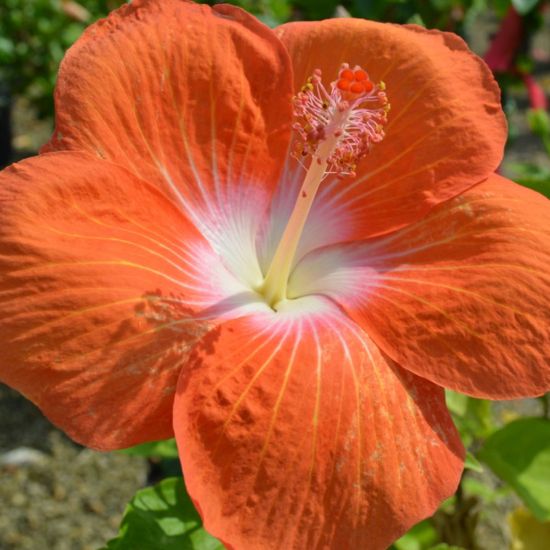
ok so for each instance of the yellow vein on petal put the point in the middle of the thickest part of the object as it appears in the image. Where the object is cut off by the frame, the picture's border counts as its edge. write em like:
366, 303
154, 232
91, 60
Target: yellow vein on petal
339, 414
237, 368
433, 244
145, 360
337, 443
417, 320
377, 170
484, 266
458, 205
161, 245
68, 340
249, 386
388, 69
81, 312
245, 160
83, 130
316, 408
161, 166
43, 294
165, 243
155, 330
176, 191
405, 108
109, 346
389, 163
214, 76
280, 397
459, 290
386, 411
205, 194
415, 443
97, 109
131, 244
359, 469
84, 311
387, 183
185, 140
235, 132
431, 305
117, 262
363, 340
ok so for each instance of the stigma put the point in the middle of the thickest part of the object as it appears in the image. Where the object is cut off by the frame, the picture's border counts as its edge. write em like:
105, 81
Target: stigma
350, 116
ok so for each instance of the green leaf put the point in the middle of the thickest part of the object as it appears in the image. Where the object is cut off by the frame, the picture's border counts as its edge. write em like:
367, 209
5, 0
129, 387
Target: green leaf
539, 121
532, 176
473, 417
472, 463
442, 5
519, 454
164, 517
421, 537
524, 6
161, 449
478, 488
416, 19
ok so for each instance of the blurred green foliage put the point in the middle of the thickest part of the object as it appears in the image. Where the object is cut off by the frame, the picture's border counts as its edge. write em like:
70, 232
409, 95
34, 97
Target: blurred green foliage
162, 517
34, 35
442, 14
519, 453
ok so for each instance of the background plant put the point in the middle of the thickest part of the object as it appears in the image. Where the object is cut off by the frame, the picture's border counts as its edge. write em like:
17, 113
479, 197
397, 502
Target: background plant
508, 445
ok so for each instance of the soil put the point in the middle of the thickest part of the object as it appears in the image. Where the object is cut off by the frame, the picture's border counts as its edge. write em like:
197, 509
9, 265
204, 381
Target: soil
54, 494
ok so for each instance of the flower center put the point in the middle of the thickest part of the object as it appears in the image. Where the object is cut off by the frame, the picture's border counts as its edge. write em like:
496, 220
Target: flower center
333, 130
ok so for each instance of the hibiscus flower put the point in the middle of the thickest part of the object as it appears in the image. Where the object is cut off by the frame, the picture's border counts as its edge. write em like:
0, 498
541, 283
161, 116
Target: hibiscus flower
231, 238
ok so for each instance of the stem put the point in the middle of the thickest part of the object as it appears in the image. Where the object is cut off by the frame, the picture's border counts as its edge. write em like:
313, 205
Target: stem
274, 287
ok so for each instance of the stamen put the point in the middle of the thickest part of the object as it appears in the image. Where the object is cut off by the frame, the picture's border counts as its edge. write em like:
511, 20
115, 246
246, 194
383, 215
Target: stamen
336, 129
354, 111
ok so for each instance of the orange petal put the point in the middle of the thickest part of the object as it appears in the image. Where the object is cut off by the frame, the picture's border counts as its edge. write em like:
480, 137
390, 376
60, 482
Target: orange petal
97, 297
446, 130
301, 434
462, 297
194, 99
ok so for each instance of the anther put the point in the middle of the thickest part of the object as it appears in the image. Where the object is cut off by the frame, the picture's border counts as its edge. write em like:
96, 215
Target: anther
357, 88
344, 84
346, 74
368, 85
348, 118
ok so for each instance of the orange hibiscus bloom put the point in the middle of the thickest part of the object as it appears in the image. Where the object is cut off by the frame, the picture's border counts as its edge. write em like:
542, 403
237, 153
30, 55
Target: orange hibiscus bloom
167, 266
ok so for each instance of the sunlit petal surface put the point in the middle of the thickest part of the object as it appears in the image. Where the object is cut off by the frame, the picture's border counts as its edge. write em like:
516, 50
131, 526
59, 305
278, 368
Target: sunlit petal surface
295, 431
192, 99
101, 296
460, 297
446, 129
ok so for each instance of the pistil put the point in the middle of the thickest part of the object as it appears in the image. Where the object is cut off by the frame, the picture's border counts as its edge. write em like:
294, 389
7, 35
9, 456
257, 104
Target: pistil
334, 130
